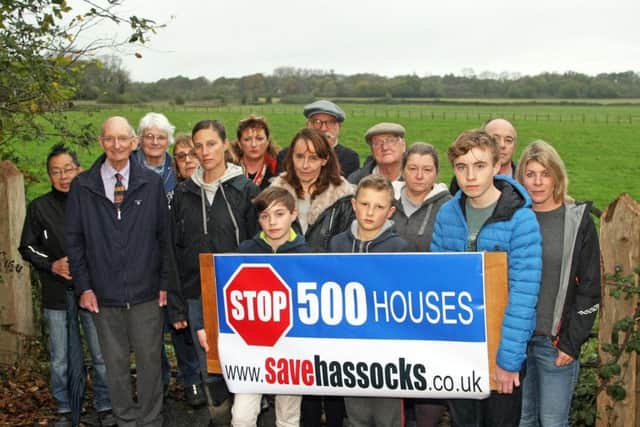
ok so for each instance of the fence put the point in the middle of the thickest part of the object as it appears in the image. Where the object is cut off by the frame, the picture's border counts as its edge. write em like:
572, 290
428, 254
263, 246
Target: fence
390, 112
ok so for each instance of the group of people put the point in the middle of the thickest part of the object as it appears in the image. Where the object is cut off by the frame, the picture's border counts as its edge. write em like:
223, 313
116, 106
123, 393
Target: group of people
122, 239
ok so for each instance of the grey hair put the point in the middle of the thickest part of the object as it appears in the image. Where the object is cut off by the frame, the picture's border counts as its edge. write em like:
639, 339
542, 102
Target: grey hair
422, 149
157, 120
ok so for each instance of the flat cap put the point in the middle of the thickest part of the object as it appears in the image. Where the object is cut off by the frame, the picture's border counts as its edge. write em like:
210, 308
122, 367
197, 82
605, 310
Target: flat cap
324, 106
382, 128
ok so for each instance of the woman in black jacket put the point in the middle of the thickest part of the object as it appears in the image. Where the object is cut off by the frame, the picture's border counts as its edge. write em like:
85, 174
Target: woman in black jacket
569, 290
323, 200
212, 212
323, 197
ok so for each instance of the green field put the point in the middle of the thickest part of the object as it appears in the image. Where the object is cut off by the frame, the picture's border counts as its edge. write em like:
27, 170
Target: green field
598, 143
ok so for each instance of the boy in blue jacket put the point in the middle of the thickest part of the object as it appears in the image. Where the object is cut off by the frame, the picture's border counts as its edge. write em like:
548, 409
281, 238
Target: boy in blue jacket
493, 213
372, 231
276, 209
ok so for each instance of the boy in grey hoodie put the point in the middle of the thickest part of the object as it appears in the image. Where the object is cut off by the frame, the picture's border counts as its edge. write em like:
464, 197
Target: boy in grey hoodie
372, 231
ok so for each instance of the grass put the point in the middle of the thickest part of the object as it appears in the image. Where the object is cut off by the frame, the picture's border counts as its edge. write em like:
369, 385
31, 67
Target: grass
600, 154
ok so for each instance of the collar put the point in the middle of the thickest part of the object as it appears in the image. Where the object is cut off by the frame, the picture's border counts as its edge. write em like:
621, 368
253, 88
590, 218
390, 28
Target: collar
108, 172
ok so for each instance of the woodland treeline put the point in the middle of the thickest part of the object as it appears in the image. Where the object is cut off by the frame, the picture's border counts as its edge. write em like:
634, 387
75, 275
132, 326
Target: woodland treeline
107, 81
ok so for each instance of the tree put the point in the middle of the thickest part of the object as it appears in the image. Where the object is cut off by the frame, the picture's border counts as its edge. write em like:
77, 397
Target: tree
41, 56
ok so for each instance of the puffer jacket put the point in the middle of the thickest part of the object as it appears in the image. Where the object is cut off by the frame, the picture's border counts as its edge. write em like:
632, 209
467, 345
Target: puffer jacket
578, 297
418, 227
512, 228
217, 227
330, 213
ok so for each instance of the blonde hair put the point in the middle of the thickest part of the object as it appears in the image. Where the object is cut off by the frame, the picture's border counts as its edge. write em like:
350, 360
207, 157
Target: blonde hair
544, 153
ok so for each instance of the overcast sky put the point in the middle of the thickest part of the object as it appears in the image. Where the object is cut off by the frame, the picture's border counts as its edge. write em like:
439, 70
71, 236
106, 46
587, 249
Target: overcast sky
232, 38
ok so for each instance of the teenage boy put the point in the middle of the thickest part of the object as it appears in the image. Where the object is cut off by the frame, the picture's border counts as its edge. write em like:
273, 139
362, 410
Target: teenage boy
276, 209
492, 213
372, 231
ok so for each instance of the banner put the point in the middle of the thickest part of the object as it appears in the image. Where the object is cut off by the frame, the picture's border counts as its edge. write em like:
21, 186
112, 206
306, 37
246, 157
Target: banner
396, 325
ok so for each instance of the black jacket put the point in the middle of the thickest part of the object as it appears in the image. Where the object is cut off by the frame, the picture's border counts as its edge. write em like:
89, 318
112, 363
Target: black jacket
257, 245
126, 261
188, 222
331, 221
365, 170
42, 243
387, 241
579, 291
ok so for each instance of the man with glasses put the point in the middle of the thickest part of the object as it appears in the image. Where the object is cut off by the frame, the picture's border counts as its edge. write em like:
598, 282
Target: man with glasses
327, 117
387, 148
121, 259
42, 244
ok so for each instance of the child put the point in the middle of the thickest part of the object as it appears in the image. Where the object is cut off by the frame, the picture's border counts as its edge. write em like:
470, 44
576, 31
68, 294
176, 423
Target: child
276, 212
372, 231
492, 213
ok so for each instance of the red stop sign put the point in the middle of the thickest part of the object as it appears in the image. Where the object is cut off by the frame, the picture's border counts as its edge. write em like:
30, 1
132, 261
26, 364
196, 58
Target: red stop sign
258, 304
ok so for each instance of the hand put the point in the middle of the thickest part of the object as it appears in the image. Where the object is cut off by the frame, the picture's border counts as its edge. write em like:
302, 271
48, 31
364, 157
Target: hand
506, 380
202, 338
563, 359
181, 324
89, 302
162, 299
61, 268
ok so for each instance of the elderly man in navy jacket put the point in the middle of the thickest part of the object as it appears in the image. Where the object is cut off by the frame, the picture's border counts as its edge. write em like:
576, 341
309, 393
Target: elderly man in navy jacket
121, 258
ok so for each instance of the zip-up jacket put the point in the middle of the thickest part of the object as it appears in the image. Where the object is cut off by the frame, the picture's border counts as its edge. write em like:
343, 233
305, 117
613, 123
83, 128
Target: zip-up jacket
42, 243
578, 297
512, 228
125, 261
387, 241
217, 227
418, 227
168, 175
257, 245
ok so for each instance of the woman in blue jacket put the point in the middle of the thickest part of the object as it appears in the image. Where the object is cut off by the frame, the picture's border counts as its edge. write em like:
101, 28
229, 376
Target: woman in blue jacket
569, 291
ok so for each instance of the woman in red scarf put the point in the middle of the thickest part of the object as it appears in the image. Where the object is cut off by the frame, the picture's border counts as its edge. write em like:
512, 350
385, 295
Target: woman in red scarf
255, 151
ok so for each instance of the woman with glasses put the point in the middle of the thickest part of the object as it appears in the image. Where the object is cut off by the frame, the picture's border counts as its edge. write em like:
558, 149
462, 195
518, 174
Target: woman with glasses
185, 160
255, 151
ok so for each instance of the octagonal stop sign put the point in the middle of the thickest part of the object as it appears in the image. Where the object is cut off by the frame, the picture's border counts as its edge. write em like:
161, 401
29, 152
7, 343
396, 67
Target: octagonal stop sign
258, 304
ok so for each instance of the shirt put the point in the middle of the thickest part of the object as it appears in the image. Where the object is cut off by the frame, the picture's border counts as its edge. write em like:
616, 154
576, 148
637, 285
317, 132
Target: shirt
108, 174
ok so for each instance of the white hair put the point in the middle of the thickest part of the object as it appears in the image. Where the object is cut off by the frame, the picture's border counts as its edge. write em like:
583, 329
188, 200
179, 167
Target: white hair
157, 120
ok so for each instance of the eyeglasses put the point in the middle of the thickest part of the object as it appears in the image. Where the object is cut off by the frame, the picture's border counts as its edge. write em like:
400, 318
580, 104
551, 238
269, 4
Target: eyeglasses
379, 142
317, 123
112, 139
60, 172
181, 157
152, 137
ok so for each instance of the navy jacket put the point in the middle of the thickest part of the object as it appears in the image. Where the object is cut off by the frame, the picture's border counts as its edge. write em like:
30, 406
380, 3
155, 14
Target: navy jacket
257, 245
127, 261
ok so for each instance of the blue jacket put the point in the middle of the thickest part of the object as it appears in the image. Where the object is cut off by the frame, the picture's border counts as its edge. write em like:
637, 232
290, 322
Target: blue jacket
127, 261
513, 229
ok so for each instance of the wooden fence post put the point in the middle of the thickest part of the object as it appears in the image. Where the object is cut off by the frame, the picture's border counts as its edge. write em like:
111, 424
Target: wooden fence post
620, 249
16, 314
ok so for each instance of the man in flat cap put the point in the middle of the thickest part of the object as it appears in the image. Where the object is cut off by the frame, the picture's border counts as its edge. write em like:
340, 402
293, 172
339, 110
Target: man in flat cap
327, 117
387, 148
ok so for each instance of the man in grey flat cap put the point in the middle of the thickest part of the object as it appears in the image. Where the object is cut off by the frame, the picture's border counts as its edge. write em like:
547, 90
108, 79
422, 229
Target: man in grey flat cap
387, 148
327, 117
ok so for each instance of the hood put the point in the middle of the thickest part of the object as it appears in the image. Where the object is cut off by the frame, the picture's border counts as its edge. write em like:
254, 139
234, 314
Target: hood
388, 225
210, 188
439, 190
513, 197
